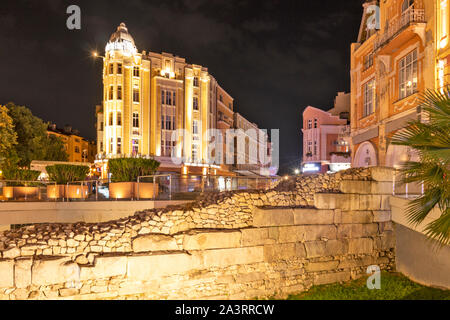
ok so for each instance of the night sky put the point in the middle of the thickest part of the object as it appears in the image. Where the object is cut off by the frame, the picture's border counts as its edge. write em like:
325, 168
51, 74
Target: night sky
274, 57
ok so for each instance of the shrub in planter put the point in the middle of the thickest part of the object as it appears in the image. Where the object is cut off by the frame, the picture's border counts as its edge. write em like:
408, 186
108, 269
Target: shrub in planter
124, 174
63, 174
22, 185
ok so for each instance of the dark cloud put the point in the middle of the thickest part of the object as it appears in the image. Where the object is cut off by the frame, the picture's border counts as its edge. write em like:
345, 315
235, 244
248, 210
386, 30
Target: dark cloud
274, 57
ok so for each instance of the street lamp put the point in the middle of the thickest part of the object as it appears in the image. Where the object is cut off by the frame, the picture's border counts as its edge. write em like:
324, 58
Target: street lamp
96, 55
297, 171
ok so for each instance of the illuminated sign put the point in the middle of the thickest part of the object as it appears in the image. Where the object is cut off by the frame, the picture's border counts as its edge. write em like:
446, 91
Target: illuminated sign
311, 167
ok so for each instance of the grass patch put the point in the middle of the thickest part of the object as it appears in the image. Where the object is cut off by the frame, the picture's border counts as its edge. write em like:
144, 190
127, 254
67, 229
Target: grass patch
394, 286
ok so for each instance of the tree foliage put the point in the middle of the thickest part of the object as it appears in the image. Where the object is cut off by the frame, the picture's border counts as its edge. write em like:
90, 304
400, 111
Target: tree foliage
64, 173
8, 137
431, 139
33, 142
129, 169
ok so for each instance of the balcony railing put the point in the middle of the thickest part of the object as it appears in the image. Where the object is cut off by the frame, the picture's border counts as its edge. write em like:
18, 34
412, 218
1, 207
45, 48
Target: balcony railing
411, 15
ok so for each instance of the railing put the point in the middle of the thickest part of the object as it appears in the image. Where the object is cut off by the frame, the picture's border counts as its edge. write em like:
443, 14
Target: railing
406, 190
411, 15
155, 187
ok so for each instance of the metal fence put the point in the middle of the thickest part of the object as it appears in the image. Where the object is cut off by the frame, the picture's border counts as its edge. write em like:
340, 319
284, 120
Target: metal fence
155, 187
406, 190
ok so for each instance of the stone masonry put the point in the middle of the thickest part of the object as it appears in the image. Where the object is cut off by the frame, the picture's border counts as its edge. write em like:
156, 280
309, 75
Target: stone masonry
239, 245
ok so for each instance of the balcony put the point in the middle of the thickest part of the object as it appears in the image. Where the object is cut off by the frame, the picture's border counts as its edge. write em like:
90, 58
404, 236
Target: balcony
396, 26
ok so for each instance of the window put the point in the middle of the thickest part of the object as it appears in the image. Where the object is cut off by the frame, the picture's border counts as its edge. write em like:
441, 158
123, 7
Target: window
111, 146
195, 81
195, 148
220, 98
101, 146
174, 99
111, 93
135, 146
368, 61
77, 149
230, 106
315, 148
119, 145
408, 75
168, 98
136, 72
111, 119
444, 13
315, 123
111, 68
135, 120
195, 127
101, 126
119, 68
119, 92
135, 95
369, 88
407, 4
310, 124
195, 103
309, 149
119, 118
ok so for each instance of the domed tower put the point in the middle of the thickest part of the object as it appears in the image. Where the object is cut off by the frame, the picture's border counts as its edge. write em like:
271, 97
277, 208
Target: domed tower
126, 99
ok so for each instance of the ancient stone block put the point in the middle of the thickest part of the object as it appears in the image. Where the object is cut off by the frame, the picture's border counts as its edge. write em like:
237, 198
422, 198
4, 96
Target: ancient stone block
6, 273
385, 241
305, 233
272, 217
313, 216
105, 267
356, 262
54, 271
370, 202
336, 201
22, 272
331, 277
353, 217
383, 174
360, 246
229, 257
382, 216
279, 251
365, 187
258, 236
326, 248
212, 240
154, 242
321, 266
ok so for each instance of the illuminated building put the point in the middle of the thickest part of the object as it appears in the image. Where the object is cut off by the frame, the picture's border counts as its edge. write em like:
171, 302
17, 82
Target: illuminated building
77, 148
326, 137
390, 67
148, 97
442, 44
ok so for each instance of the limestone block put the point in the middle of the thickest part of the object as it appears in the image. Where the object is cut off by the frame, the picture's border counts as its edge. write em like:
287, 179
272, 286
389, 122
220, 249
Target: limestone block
54, 271
22, 272
382, 174
326, 248
365, 187
326, 278
347, 231
356, 262
321, 266
279, 252
382, 216
272, 217
6, 273
212, 240
105, 267
313, 216
353, 217
341, 201
370, 202
147, 267
258, 236
229, 257
305, 233
360, 246
154, 242
386, 241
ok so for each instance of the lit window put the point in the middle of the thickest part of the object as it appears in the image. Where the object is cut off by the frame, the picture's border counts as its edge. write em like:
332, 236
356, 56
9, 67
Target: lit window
408, 75
135, 120
119, 68
444, 17
195, 148
136, 72
119, 145
111, 146
111, 93
195, 81
119, 118
369, 89
135, 95
368, 61
135, 146
111, 119
119, 92
195, 127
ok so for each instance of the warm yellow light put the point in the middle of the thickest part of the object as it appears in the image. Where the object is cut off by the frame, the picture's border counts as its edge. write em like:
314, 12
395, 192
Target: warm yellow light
409, 84
95, 54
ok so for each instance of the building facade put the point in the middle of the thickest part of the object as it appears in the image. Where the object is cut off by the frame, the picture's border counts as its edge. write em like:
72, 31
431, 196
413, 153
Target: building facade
442, 44
325, 138
158, 105
77, 148
391, 65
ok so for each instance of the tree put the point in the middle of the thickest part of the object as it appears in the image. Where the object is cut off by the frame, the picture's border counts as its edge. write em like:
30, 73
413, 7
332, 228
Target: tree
8, 137
33, 143
432, 142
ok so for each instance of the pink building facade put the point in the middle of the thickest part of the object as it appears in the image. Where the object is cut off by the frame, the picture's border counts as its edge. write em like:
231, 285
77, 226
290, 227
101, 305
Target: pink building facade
325, 142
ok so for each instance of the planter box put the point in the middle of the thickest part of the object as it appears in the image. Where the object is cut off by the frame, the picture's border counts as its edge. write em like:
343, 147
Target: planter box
130, 190
67, 191
21, 192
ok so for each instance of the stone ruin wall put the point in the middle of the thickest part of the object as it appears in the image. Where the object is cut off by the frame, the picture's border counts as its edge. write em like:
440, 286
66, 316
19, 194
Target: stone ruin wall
241, 245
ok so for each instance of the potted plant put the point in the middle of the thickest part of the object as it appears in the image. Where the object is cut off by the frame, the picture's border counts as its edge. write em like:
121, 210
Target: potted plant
124, 175
21, 185
63, 175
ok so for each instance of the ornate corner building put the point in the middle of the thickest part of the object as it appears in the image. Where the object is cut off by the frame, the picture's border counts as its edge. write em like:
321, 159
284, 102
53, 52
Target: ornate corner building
147, 97
402, 50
